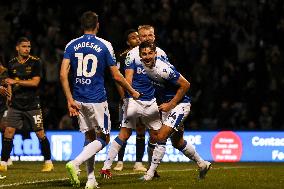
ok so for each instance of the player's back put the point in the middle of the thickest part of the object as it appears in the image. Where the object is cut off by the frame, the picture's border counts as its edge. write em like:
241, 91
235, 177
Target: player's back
89, 56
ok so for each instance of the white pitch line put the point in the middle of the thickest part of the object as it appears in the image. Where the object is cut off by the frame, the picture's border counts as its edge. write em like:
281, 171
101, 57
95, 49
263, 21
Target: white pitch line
119, 174
33, 182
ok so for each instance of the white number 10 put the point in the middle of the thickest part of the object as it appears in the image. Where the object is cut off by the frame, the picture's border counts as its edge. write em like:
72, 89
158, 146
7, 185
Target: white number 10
83, 64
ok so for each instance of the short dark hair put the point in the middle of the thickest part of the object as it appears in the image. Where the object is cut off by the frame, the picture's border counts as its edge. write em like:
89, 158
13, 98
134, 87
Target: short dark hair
128, 32
147, 44
89, 20
22, 39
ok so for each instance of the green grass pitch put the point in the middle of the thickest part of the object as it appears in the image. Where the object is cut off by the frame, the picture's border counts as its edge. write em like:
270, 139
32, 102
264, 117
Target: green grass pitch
173, 176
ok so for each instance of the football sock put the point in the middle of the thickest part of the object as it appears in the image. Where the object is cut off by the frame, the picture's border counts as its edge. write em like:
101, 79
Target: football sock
189, 151
6, 149
90, 167
45, 148
90, 150
90, 163
150, 149
112, 153
140, 147
158, 154
121, 152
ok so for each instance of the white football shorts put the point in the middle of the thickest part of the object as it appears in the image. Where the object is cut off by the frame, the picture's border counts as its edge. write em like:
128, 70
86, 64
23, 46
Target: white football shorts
146, 111
175, 117
94, 116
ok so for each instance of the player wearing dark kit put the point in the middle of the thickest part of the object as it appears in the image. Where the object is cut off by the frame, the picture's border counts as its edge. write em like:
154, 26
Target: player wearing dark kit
24, 72
3, 94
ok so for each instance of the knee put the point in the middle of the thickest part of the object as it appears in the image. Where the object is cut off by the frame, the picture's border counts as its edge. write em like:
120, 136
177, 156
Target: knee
40, 134
104, 139
90, 136
178, 144
161, 137
9, 133
124, 135
140, 130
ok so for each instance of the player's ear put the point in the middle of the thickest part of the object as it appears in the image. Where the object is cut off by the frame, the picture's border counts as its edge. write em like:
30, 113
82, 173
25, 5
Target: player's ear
98, 26
17, 48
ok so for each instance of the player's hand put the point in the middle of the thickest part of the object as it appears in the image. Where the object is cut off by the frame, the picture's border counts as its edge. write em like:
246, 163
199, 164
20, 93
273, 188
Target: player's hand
4, 92
10, 81
73, 108
165, 107
136, 95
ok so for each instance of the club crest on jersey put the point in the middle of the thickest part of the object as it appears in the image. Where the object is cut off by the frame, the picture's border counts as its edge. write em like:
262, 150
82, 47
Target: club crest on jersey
28, 69
127, 61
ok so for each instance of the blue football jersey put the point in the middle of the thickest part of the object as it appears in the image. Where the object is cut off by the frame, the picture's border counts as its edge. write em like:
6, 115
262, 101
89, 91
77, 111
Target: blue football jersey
141, 81
164, 77
89, 56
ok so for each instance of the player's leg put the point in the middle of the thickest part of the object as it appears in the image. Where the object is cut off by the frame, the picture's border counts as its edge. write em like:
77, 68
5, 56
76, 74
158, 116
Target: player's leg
140, 147
119, 165
14, 121
175, 120
92, 116
151, 120
7, 146
189, 151
130, 108
90, 163
158, 152
3, 125
114, 148
34, 117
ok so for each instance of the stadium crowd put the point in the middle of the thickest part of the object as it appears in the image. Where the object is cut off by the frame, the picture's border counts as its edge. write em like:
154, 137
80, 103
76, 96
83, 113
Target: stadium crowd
231, 51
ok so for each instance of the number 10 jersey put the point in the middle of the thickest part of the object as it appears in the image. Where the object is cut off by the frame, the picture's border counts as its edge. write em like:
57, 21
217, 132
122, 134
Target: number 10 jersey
89, 56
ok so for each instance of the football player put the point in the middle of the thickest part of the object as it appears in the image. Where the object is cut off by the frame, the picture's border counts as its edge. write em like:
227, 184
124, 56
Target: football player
171, 88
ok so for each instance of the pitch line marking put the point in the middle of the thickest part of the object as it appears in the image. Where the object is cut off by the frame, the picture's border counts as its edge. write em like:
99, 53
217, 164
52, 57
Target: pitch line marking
119, 174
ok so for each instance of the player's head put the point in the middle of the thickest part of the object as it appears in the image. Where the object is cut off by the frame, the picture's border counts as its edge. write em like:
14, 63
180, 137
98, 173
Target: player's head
89, 21
23, 47
146, 33
132, 38
147, 53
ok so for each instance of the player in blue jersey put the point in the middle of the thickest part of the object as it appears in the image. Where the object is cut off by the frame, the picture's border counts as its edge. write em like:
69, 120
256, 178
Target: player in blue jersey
145, 109
171, 88
132, 40
87, 57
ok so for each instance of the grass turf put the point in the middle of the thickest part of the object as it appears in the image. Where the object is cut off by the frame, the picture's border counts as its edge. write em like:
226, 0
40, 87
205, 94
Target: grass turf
27, 175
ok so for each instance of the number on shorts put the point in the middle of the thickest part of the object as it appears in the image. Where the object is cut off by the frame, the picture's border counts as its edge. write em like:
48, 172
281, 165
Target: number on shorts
82, 69
173, 115
37, 119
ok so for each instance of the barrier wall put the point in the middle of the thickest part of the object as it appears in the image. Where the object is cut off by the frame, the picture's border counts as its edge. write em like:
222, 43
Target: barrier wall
226, 146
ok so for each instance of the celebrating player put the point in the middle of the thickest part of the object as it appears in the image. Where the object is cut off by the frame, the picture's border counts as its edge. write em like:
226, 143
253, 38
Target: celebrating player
145, 109
88, 56
132, 40
171, 88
